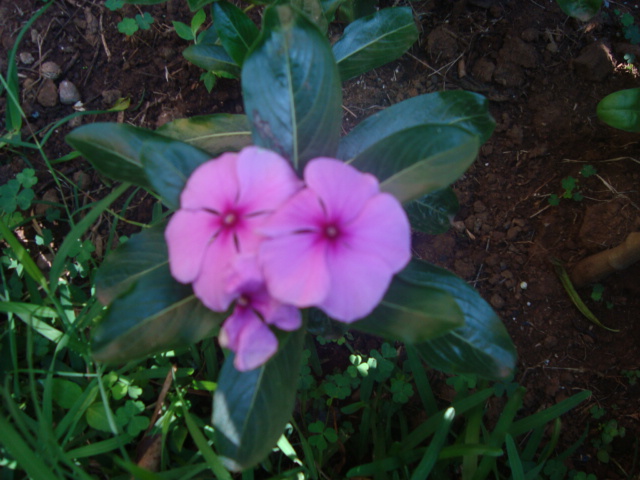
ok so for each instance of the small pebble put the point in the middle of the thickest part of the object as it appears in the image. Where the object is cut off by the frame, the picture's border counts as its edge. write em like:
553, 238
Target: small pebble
68, 93
50, 70
26, 58
497, 301
48, 94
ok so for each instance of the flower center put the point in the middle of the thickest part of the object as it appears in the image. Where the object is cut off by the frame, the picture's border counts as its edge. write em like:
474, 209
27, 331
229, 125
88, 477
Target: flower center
331, 231
242, 301
229, 219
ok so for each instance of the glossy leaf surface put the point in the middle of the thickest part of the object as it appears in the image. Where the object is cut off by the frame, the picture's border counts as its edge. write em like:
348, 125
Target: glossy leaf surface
212, 58
235, 29
215, 134
292, 89
143, 254
413, 313
419, 160
466, 110
482, 346
621, 110
251, 409
433, 213
114, 149
581, 9
168, 164
155, 315
375, 40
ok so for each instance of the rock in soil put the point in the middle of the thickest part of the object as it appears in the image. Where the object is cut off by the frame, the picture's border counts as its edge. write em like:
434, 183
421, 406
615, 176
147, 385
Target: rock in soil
68, 92
48, 94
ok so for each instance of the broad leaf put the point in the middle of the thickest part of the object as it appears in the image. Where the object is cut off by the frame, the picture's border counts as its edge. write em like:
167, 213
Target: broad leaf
114, 149
156, 314
251, 409
313, 9
143, 254
581, 9
168, 164
212, 58
413, 313
375, 40
466, 110
482, 346
432, 213
195, 5
235, 29
215, 134
621, 110
291, 88
419, 160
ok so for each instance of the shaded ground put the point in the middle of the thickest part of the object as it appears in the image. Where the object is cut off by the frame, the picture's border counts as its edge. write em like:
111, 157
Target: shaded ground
544, 74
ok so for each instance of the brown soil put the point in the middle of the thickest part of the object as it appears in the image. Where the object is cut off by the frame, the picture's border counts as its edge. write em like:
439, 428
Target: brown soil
544, 75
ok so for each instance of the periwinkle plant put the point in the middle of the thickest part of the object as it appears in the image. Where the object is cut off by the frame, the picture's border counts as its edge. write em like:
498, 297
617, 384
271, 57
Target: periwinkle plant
303, 227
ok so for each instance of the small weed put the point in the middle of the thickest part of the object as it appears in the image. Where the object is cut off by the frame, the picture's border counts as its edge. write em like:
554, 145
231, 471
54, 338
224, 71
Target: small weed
570, 187
610, 431
632, 376
629, 27
190, 33
17, 195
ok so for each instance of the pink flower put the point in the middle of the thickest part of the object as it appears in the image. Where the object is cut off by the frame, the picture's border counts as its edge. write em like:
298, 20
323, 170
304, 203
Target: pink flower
224, 203
246, 332
335, 244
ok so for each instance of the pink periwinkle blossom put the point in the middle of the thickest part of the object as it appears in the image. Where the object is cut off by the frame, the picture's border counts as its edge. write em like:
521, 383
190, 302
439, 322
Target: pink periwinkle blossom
246, 332
335, 244
224, 203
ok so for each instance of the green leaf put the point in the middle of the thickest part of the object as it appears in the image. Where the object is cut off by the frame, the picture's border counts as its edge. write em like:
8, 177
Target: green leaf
97, 417
144, 21
291, 88
156, 315
144, 2
143, 254
467, 110
128, 26
65, 393
412, 313
313, 9
433, 213
419, 160
581, 9
482, 346
183, 30
212, 58
621, 110
197, 20
251, 409
215, 134
375, 40
236, 30
168, 164
198, 4
114, 149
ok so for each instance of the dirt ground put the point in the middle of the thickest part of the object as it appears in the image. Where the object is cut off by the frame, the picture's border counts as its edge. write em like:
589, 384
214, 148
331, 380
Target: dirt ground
543, 74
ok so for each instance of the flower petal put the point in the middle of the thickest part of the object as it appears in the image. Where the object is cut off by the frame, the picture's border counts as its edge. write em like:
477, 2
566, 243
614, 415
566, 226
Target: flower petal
256, 345
213, 185
343, 189
266, 180
295, 268
285, 317
303, 211
188, 235
211, 285
358, 283
382, 229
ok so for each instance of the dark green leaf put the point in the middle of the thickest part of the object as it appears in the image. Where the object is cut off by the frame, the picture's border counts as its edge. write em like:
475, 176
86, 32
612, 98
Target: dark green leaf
114, 149
580, 9
313, 9
419, 160
432, 213
143, 254
215, 134
375, 40
455, 107
291, 88
168, 164
198, 4
251, 409
183, 30
482, 346
621, 110
144, 2
412, 313
354, 9
156, 315
235, 29
212, 58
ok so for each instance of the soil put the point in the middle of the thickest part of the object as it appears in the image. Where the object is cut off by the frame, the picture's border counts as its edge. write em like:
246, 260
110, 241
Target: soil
543, 73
